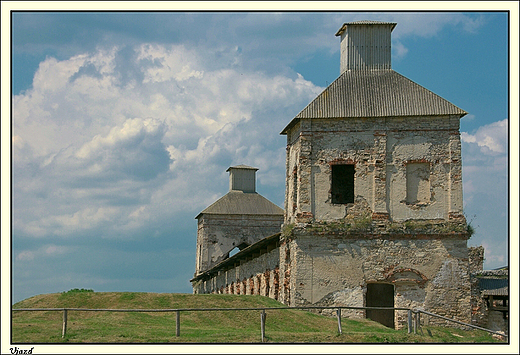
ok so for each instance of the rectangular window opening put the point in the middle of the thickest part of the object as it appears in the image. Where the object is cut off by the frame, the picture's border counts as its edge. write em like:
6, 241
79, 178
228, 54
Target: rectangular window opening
342, 188
418, 183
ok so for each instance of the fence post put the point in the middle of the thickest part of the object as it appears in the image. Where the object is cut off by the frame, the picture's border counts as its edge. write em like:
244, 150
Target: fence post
262, 324
338, 313
178, 323
415, 322
64, 328
409, 321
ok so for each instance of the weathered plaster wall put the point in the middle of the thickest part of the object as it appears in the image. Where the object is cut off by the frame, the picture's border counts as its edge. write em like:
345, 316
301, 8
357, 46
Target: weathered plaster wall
478, 306
319, 269
257, 276
219, 234
380, 149
334, 270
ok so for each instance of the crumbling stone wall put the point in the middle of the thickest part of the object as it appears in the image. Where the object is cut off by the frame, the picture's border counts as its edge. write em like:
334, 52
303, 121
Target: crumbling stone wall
478, 306
259, 275
333, 268
405, 225
381, 149
219, 234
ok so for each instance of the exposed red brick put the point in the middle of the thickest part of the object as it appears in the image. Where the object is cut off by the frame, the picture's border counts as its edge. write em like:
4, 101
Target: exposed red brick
276, 283
287, 286
380, 216
259, 284
267, 281
341, 161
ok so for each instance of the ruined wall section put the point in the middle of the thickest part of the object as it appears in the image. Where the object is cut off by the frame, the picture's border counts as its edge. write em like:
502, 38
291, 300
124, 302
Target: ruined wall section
259, 275
219, 234
434, 142
298, 172
481, 312
335, 268
383, 151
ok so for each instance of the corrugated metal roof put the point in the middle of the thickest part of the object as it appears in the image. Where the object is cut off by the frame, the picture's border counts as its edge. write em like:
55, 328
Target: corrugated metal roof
364, 22
240, 203
242, 166
493, 287
375, 93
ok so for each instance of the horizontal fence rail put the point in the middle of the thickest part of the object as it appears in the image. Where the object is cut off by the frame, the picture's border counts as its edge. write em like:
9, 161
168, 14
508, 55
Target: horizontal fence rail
461, 323
413, 315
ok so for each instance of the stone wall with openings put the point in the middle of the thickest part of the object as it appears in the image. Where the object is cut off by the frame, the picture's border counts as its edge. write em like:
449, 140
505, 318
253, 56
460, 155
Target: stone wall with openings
217, 235
256, 274
333, 267
405, 168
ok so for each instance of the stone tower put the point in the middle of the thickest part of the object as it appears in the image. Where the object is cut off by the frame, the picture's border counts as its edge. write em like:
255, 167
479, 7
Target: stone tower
373, 203
235, 221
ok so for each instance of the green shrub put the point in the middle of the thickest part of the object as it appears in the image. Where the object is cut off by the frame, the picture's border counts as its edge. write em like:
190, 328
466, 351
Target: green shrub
77, 290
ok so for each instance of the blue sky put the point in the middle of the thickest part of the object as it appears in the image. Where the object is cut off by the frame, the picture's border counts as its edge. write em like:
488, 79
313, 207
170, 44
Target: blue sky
123, 126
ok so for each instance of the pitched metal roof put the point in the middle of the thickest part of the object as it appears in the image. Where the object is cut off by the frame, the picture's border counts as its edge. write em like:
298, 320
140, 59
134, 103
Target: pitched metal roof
243, 203
242, 166
494, 287
375, 93
364, 22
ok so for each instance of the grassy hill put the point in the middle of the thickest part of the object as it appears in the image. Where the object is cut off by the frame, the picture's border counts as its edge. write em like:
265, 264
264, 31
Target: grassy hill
282, 326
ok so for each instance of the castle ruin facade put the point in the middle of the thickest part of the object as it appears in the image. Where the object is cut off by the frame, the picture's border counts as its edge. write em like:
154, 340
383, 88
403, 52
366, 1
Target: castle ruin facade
373, 201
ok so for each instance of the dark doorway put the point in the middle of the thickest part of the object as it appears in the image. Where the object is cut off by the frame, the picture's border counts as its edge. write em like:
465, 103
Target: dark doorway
381, 295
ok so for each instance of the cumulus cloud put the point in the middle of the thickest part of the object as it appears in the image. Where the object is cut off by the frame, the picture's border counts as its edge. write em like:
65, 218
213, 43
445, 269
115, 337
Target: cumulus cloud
485, 179
491, 139
113, 155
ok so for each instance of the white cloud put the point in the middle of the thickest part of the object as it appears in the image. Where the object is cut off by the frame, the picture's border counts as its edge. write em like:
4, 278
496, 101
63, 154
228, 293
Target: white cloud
112, 156
46, 251
86, 218
53, 75
492, 138
131, 129
174, 63
485, 175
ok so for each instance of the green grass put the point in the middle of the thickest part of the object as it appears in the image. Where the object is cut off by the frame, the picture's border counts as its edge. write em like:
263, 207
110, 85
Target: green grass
282, 326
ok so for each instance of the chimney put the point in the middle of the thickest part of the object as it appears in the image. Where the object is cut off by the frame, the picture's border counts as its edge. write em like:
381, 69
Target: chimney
242, 178
365, 45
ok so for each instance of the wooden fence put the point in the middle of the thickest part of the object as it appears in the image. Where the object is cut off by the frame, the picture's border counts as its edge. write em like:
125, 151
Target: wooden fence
413, 323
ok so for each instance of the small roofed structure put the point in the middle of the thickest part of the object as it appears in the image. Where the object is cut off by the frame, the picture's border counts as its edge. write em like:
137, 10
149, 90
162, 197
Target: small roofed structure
490, 298
236, 220
242, 198
494, 289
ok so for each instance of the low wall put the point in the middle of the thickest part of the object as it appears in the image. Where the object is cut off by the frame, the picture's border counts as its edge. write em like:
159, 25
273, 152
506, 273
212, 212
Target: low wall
253, 271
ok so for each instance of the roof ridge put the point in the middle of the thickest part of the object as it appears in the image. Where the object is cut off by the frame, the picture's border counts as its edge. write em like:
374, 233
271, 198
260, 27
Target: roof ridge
375, 93
237, 202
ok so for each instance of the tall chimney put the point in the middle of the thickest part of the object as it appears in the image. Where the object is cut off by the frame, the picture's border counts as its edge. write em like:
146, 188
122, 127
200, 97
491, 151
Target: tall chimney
242, 178
365, 45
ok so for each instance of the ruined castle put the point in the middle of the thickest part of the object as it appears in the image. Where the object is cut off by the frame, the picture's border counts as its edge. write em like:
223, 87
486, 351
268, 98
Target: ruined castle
373, 200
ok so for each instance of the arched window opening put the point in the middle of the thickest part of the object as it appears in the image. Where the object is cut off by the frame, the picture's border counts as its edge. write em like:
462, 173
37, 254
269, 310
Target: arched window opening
236, 249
